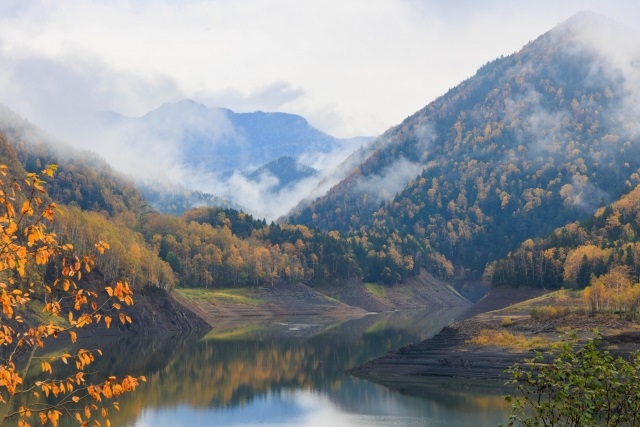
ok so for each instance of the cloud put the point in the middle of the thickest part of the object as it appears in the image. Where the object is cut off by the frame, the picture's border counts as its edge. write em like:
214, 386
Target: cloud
391, 180
546, 126
348, 76
614, 52
583, 194
273, 97
62, 94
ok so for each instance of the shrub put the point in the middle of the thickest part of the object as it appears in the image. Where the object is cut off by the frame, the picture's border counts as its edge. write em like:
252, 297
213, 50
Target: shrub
586, 387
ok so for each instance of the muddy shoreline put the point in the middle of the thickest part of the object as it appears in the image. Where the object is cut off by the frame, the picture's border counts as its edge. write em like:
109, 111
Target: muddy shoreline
451, 353
337, 300
446, 355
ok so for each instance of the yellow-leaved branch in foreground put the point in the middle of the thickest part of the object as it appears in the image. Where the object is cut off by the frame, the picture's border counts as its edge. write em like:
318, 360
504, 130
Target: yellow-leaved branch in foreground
55, 308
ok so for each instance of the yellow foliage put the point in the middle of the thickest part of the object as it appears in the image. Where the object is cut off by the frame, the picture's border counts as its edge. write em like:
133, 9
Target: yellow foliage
613, 292
505, 339
25, 242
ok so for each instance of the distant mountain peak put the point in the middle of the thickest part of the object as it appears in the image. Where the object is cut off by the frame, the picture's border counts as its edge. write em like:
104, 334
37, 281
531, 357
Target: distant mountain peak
185, 106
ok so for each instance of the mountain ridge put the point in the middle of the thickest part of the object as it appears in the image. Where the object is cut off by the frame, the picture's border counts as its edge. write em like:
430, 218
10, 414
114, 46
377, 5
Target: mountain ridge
530, 142
268, 135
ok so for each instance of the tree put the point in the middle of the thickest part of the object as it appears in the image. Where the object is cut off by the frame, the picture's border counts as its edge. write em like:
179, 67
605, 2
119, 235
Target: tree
29, 253
579, 388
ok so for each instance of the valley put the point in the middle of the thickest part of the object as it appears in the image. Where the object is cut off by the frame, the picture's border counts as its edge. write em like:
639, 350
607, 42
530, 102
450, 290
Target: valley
501, 219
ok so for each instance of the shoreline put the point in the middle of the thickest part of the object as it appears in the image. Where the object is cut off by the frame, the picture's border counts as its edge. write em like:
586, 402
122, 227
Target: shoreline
297, 299
453, 355
446, 355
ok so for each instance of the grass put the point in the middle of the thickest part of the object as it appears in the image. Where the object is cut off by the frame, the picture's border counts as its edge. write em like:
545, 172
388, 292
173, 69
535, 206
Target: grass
375, 290
233, 333
36, 309
547, 312
508, 340
211, 296
563, 299
506, 321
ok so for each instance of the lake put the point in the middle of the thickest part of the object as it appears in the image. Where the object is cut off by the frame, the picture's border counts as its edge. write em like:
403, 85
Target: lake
290, 372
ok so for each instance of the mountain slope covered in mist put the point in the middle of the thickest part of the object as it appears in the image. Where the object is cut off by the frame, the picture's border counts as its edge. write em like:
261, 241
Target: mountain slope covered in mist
215, 151
203, 247
532, 141
220, 140
286, 171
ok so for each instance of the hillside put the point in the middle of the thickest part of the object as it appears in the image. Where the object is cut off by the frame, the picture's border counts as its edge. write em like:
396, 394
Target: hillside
601, 246
534, 140
204, 247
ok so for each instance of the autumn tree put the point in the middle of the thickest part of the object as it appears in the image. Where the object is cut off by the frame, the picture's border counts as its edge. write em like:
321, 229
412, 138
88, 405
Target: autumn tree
35, 310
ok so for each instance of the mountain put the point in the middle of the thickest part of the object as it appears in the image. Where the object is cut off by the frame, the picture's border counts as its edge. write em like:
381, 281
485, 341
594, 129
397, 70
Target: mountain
203, 247
604, 243
212, 150
177, 199
532, 141
286, 171
83, 178
219, 140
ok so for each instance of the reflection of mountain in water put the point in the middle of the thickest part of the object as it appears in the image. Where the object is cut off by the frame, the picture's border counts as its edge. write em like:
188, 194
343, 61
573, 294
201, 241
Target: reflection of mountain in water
234, 364
246, 364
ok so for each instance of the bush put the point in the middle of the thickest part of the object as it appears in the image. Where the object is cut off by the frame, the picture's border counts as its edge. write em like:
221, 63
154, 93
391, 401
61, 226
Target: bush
506, 321
587, 387
549, 312
505, 339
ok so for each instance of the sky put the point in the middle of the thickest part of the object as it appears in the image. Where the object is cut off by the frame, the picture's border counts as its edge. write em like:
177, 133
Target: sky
351, 67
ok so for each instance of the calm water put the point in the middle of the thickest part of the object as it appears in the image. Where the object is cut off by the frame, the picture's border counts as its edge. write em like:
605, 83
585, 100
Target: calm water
289, 372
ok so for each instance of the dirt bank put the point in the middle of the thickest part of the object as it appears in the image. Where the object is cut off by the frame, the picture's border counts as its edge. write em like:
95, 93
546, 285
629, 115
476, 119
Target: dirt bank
422, 291
453, 353
283, 299
338, 300
445, 355
155, 310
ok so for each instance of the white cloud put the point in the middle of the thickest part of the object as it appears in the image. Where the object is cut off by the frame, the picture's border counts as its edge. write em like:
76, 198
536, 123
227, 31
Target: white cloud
391, 180
355, 67
352, 67
272, 97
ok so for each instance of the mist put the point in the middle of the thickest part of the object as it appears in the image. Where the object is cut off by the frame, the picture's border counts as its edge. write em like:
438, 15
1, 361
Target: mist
60, 77
390, 181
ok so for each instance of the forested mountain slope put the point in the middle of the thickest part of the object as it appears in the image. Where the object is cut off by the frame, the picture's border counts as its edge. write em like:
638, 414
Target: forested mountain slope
571, 255
534, 140
204, 247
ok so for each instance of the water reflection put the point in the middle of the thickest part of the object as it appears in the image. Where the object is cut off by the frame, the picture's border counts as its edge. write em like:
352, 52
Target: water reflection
288, 372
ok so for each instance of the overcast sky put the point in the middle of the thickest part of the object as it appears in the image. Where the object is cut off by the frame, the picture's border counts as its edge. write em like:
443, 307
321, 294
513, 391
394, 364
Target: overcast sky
351, 67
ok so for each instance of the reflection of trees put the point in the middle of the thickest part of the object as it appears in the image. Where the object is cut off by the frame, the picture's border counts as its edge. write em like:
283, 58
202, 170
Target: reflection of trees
227, 372
222, 372
123, 354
